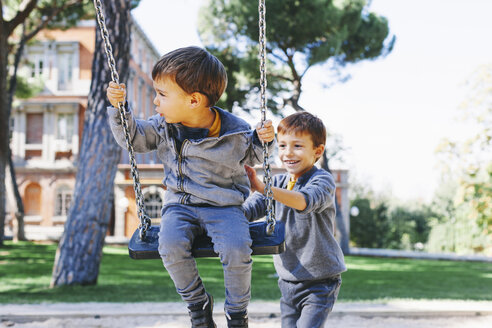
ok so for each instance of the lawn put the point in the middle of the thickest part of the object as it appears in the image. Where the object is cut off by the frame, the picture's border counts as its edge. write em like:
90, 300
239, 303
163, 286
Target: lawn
25, 273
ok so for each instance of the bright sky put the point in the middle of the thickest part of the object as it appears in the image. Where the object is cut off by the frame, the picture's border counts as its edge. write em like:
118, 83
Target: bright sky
394, 111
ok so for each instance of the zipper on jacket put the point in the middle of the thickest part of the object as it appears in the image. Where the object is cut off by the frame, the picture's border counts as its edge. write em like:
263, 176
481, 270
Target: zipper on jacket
180, 171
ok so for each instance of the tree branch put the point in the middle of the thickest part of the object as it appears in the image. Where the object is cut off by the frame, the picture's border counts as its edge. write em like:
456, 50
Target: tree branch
281, 77
45, 21
277, 56
303, 73
20, 16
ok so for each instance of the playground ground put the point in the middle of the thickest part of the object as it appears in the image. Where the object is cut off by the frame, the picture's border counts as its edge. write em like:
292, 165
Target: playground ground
391, 314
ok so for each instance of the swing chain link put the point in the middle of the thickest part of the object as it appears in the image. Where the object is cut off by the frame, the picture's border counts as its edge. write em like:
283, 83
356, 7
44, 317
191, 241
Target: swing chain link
267, 179
145, 221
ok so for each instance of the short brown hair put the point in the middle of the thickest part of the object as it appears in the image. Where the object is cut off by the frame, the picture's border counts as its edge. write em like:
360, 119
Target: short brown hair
304, 122
195, 70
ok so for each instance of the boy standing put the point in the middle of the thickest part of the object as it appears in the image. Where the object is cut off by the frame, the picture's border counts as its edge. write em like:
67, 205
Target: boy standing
203, 149
310, 268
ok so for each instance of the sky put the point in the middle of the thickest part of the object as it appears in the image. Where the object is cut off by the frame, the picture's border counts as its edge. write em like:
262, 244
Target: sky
393, 112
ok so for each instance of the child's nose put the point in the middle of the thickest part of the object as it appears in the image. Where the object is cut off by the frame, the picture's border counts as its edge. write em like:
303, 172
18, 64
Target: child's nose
156, 102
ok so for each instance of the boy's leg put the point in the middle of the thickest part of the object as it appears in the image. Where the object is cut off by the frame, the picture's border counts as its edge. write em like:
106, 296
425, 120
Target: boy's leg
320, 296
178, 228
288, 310
229, 230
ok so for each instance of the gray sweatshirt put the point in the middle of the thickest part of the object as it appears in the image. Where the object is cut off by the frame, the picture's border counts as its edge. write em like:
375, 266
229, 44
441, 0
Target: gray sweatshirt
312, 252
206, 171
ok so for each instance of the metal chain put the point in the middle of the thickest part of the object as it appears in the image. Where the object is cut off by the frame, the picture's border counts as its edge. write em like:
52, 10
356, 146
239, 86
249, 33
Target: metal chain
270, 213
145, 221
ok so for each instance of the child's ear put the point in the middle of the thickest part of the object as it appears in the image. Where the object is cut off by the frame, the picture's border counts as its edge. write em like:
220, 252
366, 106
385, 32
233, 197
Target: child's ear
318, 151
198, 99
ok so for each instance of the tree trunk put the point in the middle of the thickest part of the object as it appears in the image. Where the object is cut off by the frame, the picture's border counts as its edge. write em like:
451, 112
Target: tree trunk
19, 234
80, 249
19, 215
4, 126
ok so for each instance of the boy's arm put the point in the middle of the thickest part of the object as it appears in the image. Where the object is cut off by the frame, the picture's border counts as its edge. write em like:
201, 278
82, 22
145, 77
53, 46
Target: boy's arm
319, 192
144, 135
289, 198
254, 207
315, 196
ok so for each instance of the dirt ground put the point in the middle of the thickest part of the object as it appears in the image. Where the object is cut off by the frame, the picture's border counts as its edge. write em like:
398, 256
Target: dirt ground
394, 314
335, 321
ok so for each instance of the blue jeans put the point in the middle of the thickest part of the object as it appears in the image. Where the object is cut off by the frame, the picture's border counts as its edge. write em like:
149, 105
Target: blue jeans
229, 230
306, 304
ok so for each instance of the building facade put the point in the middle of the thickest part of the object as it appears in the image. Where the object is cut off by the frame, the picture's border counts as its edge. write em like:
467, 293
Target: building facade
46, 130
47, 133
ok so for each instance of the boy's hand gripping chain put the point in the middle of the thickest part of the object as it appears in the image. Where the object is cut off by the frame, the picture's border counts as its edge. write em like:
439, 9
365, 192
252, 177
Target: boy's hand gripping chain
142, 215
270, 215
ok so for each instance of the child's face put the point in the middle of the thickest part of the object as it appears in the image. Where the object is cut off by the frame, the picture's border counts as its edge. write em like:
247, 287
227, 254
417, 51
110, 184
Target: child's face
298, 153
171, 101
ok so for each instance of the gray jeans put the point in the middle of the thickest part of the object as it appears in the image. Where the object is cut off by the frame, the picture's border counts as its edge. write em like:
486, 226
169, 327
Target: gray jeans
306, 304
229, 230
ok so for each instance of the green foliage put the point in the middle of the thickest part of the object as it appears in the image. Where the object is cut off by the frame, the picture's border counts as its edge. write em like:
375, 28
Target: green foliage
26, 89
370, 228
408, 227
77, 10
468, 164
379, 225
26, 272
300, 35
477, 198
466, 229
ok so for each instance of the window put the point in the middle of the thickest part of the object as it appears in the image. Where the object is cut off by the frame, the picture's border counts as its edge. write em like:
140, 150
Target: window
32, 199
34, 129
65, 71
63, 201
153, 204
64, 127
36, 65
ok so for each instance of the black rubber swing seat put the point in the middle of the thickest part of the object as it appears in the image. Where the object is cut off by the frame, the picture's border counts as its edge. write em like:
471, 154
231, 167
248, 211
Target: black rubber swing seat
263, 244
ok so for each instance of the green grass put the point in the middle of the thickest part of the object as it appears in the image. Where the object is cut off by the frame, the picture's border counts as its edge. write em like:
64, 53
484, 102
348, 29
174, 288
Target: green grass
25, 273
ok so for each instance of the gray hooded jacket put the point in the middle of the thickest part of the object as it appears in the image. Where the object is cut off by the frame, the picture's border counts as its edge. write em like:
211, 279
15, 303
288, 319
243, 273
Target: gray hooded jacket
312, 252
207, 171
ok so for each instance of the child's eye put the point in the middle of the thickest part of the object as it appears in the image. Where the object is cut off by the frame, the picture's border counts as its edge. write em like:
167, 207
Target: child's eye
281, 146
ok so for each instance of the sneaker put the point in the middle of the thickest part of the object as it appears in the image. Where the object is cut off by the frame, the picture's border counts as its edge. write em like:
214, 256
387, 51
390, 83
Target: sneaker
237, 320
201, 313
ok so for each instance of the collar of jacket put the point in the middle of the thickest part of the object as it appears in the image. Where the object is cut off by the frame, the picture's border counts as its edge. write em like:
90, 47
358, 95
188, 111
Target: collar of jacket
229, 123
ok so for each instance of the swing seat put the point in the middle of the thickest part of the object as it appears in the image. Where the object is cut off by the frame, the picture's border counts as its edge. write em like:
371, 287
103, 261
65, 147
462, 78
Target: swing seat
263, 243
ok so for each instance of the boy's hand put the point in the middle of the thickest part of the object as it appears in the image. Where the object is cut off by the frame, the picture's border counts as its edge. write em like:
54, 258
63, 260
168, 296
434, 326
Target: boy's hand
116, 93
265, 133
256, 184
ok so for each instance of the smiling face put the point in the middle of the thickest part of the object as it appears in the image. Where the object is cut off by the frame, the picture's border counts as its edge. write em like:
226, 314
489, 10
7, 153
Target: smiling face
297, 153
171, 101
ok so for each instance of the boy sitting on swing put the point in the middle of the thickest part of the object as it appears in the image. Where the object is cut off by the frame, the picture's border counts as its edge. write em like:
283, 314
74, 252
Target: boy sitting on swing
203, 149
309, 269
